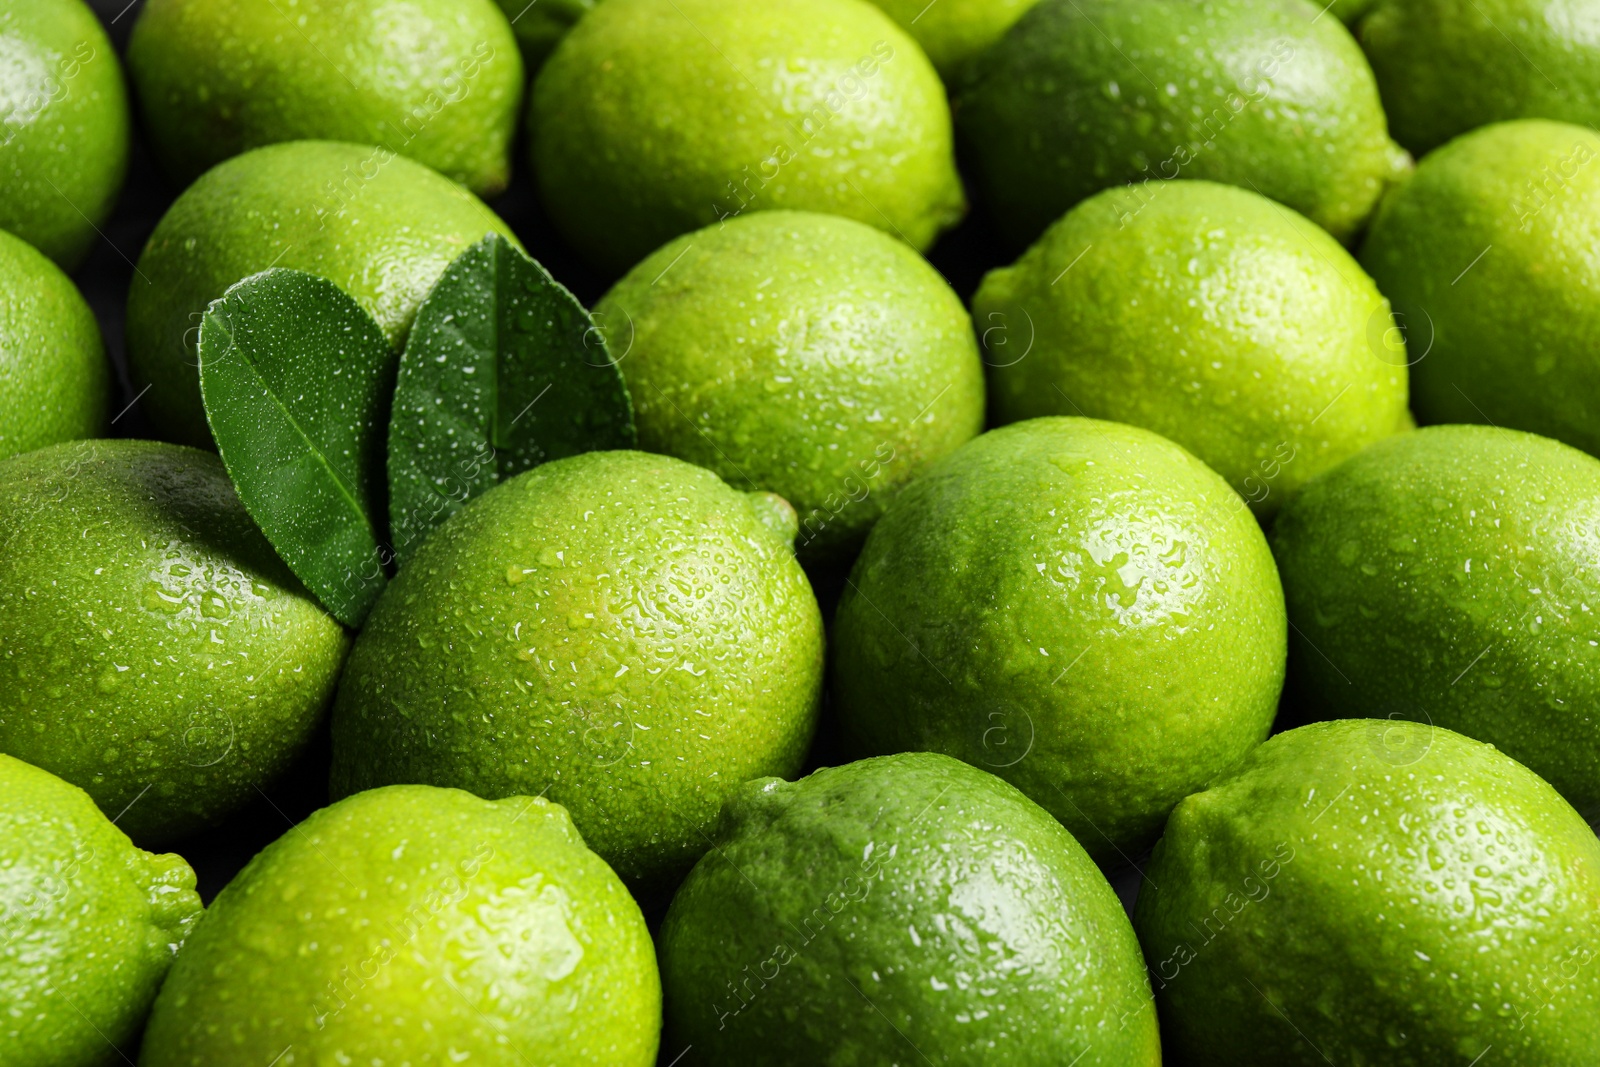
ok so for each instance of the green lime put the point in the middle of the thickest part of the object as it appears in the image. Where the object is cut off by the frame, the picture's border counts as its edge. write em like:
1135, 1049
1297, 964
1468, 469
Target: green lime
540, 26
55, 384
1082, 95
153, 649
620, 632
437, 81
1447, 576
1375, 892
955, 32
1488, 255
414, 925
1207, 314
657, 117
809, 355
1445, 68
64, 126
88, 924
898, 909
378, 225
1081, 607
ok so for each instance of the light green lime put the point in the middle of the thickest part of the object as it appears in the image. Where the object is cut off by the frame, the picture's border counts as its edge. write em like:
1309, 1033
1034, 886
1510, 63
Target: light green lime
620, 632
1372, 892
88, 924
438, 81
1447, 576
809, 355
416, 925
379, 226
64, 126
154, 651
1207, 314
1081, 607
1082, 95
55, 384
654, 118
900, 904
1446, 67
955, 32
1488, 255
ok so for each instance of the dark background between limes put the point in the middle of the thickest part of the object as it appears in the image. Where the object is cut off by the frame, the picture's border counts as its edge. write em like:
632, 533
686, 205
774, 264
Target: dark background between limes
962, 255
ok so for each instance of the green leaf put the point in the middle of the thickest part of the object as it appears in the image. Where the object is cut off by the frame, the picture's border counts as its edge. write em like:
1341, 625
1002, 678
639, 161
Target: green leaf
296, 380
504, 370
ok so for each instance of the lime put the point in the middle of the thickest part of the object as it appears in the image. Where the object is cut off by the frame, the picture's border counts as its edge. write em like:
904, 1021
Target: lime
1488, 255
620, 632
809, 355
1447, 576
153, 649
1445, 68
1371, 892
1082, 95
54, 381
379, 226
657, 117
900, 906
64, 126
955, 32
438, 81
1207, 314
88, 924
1081, 607
416, 925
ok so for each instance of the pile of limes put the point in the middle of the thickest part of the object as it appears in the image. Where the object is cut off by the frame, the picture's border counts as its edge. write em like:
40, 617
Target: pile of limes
1064, 649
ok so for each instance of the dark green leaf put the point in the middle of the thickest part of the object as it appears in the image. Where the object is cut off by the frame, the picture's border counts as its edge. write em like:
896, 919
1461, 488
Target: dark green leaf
296, 379
504, 370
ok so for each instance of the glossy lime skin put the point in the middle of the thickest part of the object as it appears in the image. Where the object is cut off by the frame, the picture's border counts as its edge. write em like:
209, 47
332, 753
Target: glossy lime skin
1367, 892
379, 226
64, 126
1081, 607
438, 81
898, 904
654, 118
1447, 66
1207, 314
1255, 93
809, 355
416, 925
540, 27
1488, 254
1447, 576
153, 649
88, 924
55, 384
955, 32
619, 632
